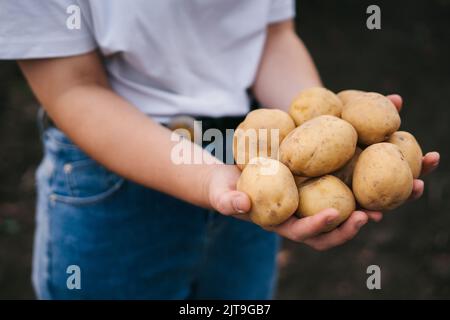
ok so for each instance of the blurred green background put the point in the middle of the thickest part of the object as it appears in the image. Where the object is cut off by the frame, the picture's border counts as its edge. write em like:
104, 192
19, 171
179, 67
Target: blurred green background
410, 55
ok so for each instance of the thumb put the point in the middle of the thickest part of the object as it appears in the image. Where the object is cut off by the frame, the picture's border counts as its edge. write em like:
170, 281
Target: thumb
232, 202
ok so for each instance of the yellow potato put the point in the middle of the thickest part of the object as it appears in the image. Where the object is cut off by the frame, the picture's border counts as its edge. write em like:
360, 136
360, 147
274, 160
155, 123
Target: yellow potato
373, 116
382, 179
271, 189
325, 192
346, 172
347, 95
410, 148
319, 146
313, 102
253, 136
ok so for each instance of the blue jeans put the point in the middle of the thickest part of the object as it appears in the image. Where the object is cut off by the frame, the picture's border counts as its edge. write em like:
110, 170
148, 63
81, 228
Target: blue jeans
131, 242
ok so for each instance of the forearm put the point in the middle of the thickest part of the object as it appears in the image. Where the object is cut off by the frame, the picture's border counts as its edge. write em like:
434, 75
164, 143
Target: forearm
285, 68
128, 142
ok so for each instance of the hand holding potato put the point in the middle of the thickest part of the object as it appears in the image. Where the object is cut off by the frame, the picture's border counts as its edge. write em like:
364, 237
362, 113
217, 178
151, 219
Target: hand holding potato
400, 151
221, 190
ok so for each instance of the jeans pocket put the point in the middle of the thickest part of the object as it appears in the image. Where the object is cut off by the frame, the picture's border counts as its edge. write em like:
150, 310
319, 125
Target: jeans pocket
86, 182
76, 178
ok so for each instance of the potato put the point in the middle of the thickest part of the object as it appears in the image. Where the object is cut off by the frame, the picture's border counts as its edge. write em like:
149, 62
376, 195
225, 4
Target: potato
373, 116
347, 95
346, 172
250, 141
272, 191
314, 102
411, 150
382, 179
328, 191
319, 146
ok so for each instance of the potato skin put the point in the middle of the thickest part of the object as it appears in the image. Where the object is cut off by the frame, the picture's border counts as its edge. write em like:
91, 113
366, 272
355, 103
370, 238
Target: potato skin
273, 195
410, 148
261, 119
313, 102
327, 191
346, 172
373, 116
319, 146
382, 179
347, 95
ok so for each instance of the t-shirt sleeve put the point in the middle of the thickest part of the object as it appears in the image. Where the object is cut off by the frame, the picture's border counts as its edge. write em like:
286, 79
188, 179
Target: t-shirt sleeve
281, 10
43, 29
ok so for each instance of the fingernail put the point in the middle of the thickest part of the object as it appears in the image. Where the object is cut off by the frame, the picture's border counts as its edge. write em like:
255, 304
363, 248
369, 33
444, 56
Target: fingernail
236, 206
437, 155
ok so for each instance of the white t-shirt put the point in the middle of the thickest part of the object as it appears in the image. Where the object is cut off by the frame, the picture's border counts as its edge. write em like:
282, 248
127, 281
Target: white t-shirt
167, 57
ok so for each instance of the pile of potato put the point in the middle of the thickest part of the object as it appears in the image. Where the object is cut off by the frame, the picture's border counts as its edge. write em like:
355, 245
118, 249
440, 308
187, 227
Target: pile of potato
333, 151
